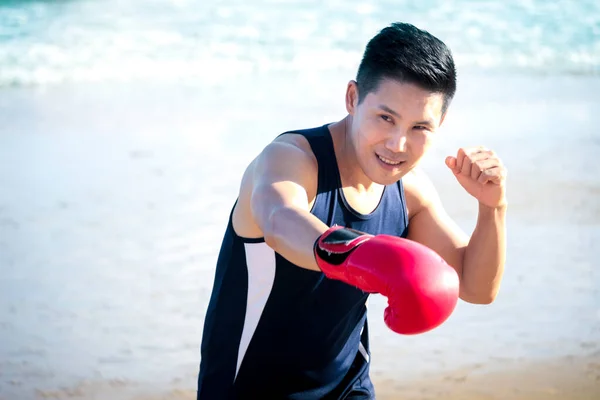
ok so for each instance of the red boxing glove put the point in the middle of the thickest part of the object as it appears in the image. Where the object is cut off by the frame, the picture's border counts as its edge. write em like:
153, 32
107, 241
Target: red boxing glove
422, 289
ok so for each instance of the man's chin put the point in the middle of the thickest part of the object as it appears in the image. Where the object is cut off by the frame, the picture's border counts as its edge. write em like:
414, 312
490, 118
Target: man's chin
388, 179
391, 181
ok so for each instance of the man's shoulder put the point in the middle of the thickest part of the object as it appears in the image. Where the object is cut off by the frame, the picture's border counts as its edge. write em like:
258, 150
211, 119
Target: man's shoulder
289, 156
293, 146
418, 190
293, 139
292, 150
300, 137
286, 160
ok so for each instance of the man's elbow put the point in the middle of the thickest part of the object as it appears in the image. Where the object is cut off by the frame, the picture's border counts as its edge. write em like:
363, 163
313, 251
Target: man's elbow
270, 228
483, 297
276, 224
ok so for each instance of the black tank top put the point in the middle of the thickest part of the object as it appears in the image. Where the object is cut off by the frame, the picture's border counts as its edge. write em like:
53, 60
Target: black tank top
275, 330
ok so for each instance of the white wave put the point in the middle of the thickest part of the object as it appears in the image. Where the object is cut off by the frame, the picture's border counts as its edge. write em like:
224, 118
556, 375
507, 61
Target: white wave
47, 43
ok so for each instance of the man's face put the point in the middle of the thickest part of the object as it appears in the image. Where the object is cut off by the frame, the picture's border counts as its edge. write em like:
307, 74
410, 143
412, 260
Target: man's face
392, 128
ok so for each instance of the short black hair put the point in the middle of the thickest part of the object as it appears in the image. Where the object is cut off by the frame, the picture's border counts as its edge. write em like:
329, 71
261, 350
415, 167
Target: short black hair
407, 54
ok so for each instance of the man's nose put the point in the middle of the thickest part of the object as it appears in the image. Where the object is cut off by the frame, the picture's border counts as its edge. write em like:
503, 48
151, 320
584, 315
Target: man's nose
397, 141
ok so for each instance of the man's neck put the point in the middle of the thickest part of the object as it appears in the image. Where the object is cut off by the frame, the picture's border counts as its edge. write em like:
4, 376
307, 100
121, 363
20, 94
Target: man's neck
351, 173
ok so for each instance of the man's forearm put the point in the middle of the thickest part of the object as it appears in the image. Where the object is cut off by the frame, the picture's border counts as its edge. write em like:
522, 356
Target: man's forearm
292, 232
484, 257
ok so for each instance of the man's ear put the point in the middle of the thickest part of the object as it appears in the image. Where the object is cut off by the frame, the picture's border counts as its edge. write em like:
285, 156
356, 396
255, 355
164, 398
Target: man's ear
351, 97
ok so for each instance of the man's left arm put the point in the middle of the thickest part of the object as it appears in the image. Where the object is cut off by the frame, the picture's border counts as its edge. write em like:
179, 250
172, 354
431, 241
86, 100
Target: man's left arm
480, 258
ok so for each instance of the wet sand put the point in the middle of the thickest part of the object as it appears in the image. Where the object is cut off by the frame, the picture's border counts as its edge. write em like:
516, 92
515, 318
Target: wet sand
568, 378
112, 209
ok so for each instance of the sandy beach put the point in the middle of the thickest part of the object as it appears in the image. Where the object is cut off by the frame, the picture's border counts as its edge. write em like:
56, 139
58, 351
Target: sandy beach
125, 250
567, 378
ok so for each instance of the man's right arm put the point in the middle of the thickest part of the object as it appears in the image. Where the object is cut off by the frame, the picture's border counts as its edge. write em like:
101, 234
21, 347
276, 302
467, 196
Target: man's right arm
282, 176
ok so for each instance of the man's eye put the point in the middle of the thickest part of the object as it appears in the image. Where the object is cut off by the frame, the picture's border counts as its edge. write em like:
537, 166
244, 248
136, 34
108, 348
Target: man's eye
386, 118
421, 128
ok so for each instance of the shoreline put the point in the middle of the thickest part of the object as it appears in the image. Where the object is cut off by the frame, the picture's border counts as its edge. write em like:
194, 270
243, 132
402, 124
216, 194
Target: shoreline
570, 377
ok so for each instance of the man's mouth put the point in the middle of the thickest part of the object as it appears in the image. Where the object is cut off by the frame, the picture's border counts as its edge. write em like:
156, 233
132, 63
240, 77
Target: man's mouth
389, 161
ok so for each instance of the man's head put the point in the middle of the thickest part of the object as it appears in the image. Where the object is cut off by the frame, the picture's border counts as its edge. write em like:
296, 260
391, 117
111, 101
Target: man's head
405, 83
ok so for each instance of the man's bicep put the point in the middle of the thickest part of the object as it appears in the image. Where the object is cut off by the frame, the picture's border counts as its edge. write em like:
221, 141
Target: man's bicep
281, 176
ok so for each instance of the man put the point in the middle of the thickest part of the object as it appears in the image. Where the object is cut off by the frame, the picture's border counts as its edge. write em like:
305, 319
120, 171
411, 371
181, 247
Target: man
281, 323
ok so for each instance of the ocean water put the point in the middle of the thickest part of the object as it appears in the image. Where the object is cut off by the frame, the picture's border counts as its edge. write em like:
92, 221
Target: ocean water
125, 127
213, 41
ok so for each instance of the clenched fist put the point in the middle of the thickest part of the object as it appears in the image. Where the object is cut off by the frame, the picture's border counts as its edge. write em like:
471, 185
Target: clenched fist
481, 173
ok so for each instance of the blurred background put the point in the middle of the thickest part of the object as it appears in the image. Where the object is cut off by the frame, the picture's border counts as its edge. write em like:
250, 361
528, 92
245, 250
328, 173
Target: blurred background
125, 127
